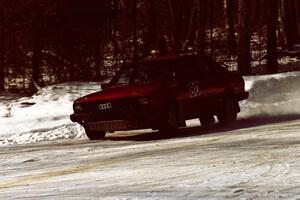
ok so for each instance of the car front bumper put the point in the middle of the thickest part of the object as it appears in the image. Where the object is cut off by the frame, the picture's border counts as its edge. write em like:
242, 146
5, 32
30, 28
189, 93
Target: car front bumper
114, 125
80, 118
136, 120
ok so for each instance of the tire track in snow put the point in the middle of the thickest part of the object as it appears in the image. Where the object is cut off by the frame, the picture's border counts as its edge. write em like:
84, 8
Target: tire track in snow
139, 153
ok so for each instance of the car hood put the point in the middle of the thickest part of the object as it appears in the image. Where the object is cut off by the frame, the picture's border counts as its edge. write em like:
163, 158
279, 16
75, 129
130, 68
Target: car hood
121, 91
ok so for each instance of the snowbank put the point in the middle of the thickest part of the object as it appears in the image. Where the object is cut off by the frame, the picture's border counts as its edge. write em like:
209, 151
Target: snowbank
272, 95
45, 116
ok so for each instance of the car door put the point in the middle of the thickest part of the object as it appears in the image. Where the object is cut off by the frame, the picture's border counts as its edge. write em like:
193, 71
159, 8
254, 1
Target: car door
211, 85
189, 90
205, 88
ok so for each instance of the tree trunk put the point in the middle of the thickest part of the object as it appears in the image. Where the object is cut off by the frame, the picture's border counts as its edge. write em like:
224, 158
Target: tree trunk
211, 28
272, 63
230, 27
177, 35
290, 23
2, 75
37, 45
151, 36
293, 21
134, 20
71, 52
298, 10
280, 26
244, 54
177, 24
202, 26
98, 57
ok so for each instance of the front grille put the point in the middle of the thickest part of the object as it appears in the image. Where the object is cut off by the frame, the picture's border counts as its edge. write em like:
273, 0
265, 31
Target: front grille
121, 109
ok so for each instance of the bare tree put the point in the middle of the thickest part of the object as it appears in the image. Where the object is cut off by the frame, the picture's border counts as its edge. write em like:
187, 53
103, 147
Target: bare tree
231, 40
135, 28
290, 22
202, 18
2, 75
244, 55
272, 62
37, 43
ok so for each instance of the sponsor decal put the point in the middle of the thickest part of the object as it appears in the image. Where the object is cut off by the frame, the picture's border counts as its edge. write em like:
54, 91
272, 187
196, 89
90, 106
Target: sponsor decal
194, 89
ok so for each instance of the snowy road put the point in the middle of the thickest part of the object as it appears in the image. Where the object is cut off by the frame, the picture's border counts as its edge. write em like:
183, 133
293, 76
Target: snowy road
260, 161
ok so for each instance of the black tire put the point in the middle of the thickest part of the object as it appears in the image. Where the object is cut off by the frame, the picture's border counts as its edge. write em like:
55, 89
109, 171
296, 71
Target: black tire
208, 120
228, 115
170, 122
95, 135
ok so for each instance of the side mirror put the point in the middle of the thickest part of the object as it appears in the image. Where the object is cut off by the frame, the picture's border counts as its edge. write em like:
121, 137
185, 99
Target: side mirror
105, 86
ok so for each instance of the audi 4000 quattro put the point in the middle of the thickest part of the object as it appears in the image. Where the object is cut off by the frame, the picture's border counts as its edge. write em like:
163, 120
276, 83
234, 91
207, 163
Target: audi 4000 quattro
161, 93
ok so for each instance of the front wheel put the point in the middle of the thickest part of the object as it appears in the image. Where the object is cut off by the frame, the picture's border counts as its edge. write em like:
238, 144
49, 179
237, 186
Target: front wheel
95, 135
228, 115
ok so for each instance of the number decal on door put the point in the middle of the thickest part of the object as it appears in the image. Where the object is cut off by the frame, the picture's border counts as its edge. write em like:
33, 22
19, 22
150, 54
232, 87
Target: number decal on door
194, 89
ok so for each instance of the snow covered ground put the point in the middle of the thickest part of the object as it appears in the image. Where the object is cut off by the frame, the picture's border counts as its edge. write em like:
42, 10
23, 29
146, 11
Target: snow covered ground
45, 156
44, 116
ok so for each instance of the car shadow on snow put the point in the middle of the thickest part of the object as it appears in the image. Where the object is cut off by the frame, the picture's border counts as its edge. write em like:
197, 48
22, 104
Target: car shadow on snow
200, 130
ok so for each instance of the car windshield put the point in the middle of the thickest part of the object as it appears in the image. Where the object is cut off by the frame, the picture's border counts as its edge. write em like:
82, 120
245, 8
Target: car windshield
143, 73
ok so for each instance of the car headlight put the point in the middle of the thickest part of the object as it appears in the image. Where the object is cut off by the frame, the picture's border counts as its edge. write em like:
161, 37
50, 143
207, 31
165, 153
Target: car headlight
78, 108
143, 101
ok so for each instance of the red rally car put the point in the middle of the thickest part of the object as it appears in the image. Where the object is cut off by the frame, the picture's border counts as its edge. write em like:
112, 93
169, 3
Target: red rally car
161, 93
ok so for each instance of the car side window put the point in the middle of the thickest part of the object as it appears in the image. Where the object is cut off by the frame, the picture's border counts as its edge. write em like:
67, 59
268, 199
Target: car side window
162, 72
203, 68
124, 76
185, 73
215, 67
154, 72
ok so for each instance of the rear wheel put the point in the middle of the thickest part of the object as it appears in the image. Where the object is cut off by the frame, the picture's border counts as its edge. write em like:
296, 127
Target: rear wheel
228, 115
95, 135
207, 120
170, 122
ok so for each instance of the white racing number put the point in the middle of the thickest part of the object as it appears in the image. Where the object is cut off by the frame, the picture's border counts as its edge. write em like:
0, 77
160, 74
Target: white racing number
194, 89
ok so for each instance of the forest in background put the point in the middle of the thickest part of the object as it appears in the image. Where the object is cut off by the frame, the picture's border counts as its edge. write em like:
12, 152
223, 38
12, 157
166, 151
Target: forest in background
50, 41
